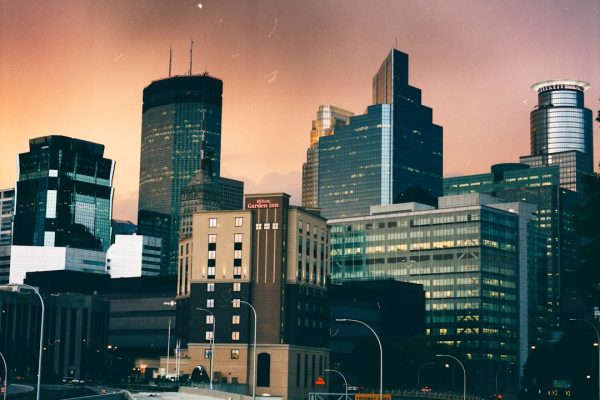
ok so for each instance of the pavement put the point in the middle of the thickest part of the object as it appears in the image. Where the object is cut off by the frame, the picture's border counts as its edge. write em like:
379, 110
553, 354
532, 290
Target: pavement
172, 396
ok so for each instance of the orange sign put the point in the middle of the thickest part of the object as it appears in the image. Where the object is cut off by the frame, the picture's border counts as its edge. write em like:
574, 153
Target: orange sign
319, 381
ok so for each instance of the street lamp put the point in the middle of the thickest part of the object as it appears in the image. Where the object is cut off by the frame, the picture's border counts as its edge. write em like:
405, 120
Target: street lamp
254, 366
464, 373
18, 286
343, 377
598, 341
419, 373
5, 375
380, 352
212, 344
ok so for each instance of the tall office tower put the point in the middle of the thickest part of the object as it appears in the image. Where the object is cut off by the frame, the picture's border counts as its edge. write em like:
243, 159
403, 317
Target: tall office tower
328, 117
7, 207
275, 257
63, 207
390, 154
555, 208
561, 131
473, 257
181, 124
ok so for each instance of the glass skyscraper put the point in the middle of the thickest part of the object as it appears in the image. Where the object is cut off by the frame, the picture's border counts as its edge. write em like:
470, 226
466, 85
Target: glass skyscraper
64, 195
390, 154
561, 131
181, 123
7, 207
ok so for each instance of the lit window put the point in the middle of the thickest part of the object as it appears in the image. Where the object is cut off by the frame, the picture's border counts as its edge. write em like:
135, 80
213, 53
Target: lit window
212, 222
258, 227
235, 354
237, 286
210, 287
239, 221
267, 225
237, 254
212, 271
212, 254
275, 225
235, 336
237, 272
208, 335
207, 353
210, 303
236, 303
237, 238
235, 319
212, 238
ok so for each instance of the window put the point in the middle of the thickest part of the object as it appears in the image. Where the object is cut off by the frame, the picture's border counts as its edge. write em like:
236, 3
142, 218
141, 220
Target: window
258, 227
210, 287
236, 303
212, 254
210, 319
235, 335
237, 286
235, 354
237, 238
239, 221
237, 272
275, 225
212, 238
235, 319
263, 374
210, 303
207, 353
267, 225
208, 335
300, 225
211, 272
212, 222
237, 254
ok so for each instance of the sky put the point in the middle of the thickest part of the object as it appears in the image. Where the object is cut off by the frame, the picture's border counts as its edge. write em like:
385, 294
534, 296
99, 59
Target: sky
78, 68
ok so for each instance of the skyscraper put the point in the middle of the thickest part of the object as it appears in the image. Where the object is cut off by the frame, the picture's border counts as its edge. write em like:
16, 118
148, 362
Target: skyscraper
390, 154
63, 207
328, 117
181, 126
561, 131
7, 207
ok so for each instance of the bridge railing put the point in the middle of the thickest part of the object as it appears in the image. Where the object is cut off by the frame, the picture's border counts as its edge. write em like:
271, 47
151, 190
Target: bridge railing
397, 394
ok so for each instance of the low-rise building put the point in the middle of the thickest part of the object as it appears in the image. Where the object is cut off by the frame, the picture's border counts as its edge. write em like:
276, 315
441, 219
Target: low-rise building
133, 256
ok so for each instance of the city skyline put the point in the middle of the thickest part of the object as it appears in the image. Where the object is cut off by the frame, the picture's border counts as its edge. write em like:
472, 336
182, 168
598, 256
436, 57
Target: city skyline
475, 63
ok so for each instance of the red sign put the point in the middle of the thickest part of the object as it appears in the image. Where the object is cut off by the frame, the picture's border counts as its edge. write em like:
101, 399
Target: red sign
319, 381
263, 203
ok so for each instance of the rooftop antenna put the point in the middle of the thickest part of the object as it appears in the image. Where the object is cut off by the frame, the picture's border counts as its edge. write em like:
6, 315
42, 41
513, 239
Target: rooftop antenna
191, 51
396, 43
170, 59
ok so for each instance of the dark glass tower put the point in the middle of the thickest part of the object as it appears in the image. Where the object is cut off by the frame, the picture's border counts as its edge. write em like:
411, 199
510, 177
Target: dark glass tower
561, 131
181, 126
390, 154
64, 195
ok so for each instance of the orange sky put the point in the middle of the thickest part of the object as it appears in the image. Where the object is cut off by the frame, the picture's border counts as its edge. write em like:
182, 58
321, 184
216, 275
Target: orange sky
78, 68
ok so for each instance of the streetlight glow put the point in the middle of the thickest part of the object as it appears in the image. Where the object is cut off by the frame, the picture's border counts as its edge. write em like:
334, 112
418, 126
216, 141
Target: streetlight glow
595, 344
464, 373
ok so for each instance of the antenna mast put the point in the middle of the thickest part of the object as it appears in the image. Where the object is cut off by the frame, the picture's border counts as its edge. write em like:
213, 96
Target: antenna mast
170, 59
191, 52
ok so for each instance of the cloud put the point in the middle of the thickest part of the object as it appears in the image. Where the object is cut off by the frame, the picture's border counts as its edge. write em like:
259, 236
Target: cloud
125, 205
290, 183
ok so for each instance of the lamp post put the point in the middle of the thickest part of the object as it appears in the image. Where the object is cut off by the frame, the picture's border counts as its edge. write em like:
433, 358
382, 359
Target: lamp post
5, 375
212, 344
380, 351
464, 373
419, 373
254, 366
598, 345
39, 377
343, 377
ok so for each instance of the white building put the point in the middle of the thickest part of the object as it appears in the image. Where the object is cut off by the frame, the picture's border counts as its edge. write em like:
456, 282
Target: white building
25, 259
133, 255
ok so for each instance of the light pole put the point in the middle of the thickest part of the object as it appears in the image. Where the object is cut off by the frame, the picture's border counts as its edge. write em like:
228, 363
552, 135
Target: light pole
464, 373
254, 366
380, 351
171, 303
419, 373
5, 375
39, 378
212, 344
343, 377
598, 342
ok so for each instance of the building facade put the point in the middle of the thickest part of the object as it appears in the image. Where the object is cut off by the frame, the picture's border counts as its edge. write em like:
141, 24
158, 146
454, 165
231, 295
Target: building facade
275, 257
133, 256
540, 186
390, 154
7, 207
561, 131
328, 117
64, 195
468, 257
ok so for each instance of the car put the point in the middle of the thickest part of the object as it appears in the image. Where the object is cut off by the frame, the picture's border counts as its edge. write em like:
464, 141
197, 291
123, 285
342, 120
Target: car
425, 389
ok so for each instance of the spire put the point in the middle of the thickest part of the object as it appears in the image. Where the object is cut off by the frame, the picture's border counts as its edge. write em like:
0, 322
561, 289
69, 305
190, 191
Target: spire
191, 53
170, 59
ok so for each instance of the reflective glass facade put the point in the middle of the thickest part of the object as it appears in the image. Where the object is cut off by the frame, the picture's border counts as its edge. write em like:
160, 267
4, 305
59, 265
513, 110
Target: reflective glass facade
573, 166
7, 207
539, 186
64, 195
386, 154
466, 256
181, 124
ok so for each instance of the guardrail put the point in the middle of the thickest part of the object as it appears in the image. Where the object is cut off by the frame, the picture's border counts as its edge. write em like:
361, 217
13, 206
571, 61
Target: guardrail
397, 394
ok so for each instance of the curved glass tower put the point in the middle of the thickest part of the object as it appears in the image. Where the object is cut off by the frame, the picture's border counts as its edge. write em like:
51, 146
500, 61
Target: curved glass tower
561, 122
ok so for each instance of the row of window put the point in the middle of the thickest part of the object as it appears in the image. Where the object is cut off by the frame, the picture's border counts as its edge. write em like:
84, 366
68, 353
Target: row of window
238, 222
